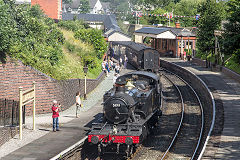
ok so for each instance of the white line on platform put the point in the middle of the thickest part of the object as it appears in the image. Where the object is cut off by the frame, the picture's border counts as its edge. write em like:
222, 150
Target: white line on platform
69, 148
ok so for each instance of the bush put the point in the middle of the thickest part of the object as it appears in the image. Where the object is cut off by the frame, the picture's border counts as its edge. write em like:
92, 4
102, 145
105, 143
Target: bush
72, 25
94, 37
70, 47
233, 64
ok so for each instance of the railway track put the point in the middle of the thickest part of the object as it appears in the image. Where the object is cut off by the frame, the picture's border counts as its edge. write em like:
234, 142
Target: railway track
186, 141
177, 136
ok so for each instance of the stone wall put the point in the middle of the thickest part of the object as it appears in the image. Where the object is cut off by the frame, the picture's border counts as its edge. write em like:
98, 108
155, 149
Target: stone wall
14, 74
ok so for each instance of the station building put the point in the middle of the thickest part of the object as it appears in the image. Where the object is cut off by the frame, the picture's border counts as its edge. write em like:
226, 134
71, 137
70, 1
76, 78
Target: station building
168, 40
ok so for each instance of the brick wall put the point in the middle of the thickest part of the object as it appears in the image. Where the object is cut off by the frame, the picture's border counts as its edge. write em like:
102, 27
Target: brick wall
52, 8
14, 74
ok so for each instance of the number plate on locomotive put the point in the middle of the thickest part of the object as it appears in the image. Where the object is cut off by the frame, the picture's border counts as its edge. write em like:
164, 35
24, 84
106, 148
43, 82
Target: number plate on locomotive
116, 105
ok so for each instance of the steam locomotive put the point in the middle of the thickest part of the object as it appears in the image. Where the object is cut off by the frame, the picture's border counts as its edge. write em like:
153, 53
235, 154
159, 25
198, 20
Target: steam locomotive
131, 109
133, 106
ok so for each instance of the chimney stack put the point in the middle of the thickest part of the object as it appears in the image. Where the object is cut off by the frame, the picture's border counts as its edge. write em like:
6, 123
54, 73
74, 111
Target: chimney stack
177, 24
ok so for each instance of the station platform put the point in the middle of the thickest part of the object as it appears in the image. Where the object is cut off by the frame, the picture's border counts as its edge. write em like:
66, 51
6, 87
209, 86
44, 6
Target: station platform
224, 142
72, 129
225, 139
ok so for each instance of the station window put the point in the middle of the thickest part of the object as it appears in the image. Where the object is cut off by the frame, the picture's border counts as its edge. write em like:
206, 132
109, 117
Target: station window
164, 44
190, 45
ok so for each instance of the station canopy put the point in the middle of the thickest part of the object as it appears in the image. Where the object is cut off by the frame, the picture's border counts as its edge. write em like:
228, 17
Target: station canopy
153, 32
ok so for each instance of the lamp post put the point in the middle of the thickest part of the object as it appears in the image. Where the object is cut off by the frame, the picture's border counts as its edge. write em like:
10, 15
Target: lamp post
85, 70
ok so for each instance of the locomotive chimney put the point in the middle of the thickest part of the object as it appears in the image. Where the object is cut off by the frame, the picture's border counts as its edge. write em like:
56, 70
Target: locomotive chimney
177, 24
120, 88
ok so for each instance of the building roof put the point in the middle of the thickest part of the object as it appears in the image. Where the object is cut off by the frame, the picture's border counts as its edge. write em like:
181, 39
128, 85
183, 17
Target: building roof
23, 2
92, 3
111, 23
158, 30
151, 30
74, 5
86, 17
112, 31
106, 5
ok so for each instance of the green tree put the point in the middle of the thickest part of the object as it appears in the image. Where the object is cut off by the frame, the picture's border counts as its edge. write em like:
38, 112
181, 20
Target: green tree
7, 27
84, 6
94, 37
211, 14
155, 19
232, 29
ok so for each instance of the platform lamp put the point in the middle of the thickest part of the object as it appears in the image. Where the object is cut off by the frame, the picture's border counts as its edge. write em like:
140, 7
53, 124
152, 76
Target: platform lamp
85, 70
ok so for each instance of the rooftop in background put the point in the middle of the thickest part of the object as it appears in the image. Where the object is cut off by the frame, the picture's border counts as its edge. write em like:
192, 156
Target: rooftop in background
109, 21
23, 1
96, 7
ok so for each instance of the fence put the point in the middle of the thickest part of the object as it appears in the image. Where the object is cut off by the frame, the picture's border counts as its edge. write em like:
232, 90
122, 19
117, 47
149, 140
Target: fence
9, 113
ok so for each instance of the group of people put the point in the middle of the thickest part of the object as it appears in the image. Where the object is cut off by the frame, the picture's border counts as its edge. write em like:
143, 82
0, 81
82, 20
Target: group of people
108, 66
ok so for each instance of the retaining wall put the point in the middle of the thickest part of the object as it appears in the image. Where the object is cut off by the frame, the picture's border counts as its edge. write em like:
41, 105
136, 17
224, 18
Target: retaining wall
14, 74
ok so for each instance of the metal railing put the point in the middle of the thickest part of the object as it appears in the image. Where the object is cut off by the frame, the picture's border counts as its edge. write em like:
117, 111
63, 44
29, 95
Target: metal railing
9, 113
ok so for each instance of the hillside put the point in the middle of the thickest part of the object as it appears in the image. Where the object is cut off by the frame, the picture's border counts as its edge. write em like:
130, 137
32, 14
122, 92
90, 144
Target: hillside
71, 65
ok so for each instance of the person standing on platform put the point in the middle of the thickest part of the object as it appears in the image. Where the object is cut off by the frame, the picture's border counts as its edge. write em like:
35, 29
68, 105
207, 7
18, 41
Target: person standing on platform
78, 102
117, 69
120, 62
107, 66
115, 78
125, 61
55, 115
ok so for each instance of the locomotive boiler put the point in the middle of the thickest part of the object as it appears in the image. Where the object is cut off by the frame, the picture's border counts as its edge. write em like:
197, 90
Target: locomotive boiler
130, 110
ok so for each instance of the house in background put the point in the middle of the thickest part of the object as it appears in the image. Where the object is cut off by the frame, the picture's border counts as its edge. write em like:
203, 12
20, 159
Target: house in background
52, 8
72, 8
168, 40
98, 21
107, 23
96, 7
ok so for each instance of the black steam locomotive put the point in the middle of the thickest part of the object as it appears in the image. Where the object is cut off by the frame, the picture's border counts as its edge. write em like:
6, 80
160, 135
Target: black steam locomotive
130, 109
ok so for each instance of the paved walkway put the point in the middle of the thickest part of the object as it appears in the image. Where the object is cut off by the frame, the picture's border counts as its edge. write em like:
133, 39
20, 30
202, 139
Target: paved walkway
72, 129
223, 144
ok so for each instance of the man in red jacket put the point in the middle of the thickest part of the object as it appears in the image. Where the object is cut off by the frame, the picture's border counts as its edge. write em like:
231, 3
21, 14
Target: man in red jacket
55, 115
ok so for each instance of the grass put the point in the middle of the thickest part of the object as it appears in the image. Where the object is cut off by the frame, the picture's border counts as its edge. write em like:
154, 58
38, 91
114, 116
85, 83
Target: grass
71, 65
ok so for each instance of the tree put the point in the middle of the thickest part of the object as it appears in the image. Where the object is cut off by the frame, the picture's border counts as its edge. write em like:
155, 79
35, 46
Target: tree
84, 6
94, 37
156, 19
211, 14
7, 27
232, 29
